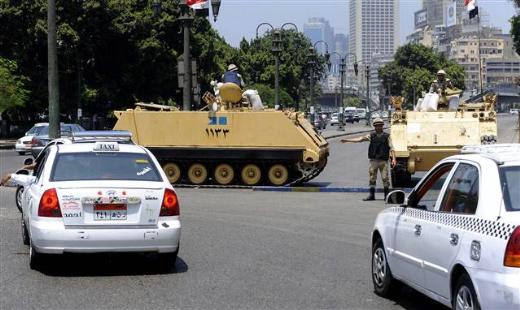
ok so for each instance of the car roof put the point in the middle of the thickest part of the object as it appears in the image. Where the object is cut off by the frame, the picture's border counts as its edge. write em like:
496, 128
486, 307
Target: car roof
89, 147
501, 154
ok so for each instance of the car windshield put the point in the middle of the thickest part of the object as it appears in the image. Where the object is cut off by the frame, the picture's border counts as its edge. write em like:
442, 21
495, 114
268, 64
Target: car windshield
510, 180
44, 131
34, 130
104, 166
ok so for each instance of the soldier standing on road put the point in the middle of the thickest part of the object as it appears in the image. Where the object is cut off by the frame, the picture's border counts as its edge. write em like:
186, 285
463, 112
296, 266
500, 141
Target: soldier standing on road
232, 76
379, 151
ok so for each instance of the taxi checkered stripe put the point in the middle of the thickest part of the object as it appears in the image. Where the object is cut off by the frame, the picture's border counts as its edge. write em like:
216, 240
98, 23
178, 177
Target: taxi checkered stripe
469, 223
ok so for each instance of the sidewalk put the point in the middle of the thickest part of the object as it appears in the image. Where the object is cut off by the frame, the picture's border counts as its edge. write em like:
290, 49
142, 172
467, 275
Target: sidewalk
7, 144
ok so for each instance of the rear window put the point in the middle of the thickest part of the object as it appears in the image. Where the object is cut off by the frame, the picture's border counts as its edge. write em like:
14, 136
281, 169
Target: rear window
104, 166
510, 180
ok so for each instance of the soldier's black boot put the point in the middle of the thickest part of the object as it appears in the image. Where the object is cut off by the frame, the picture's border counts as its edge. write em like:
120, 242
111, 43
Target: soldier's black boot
386, 190
372, 195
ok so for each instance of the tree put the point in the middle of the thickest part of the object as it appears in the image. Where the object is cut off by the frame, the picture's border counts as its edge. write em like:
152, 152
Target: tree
12, 89
414, 68
257, 64
112, 52
515, 29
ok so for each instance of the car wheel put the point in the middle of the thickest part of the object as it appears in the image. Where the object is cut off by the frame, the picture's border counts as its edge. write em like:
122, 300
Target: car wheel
464, 296
25, 233
18, 195
381, 275
21, 153
35, 258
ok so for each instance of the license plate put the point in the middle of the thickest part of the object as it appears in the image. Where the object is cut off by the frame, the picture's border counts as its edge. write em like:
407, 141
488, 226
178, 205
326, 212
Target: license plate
110, 212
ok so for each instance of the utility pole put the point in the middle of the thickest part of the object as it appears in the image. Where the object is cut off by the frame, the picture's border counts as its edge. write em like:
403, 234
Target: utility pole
368, 96
186, 20
52, 63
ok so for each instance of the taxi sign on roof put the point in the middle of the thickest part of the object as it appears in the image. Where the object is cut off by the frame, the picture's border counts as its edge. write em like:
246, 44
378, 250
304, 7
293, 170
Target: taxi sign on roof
106, 147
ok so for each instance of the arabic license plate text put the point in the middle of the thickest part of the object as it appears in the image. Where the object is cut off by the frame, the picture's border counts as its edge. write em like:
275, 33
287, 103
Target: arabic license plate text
110, 212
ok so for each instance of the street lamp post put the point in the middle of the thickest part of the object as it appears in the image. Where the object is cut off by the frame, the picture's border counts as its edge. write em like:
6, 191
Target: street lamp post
312, 50
368, 118
310, 62
186, 19
342, 70
276, 50
53, 83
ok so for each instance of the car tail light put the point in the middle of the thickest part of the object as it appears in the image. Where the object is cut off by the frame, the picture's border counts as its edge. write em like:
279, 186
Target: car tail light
36, 142
170, 204
512, 256
49, 204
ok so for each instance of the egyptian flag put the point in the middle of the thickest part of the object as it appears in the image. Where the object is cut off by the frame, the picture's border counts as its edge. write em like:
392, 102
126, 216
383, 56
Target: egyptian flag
471, 6
201, 7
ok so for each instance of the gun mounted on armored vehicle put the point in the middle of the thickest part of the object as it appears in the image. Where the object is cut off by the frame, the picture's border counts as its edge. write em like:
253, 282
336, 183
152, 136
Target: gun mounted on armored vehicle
236, 141
438, 127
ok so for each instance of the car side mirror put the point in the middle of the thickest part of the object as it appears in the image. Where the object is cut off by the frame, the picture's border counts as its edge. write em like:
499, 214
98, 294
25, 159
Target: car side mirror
396, 197
28, 161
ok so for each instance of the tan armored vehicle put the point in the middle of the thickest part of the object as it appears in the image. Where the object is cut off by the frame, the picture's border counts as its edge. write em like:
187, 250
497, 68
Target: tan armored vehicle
232, 144
428, 134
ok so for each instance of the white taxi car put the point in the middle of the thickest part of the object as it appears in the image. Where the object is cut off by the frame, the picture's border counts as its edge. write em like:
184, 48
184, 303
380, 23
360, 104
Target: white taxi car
99, 197
456, 236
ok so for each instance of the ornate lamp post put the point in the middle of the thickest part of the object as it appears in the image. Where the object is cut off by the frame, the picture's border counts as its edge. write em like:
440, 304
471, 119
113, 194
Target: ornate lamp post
342, 70
369, 116
311, 63
276, 50
186, 19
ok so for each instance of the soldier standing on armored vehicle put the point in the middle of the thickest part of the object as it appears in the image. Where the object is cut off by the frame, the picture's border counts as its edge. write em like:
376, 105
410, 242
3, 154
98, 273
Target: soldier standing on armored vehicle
441, 83
232, 76
379, 151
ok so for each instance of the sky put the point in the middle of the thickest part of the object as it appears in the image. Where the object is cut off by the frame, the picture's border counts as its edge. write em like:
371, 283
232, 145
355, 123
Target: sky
239, 18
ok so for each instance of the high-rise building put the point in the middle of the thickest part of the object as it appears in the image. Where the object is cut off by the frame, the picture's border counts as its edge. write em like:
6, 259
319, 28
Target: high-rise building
319, 29
374, 28
437, 12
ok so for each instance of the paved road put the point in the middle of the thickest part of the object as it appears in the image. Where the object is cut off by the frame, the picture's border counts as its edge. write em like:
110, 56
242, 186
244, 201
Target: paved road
239, 249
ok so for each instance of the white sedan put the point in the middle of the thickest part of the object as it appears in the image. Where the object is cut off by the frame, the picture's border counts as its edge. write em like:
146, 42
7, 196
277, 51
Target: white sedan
99, 197
24, 145
456, 236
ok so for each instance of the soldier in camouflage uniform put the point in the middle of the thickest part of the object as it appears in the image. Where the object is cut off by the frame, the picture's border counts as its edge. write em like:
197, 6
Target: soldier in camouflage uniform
380, 151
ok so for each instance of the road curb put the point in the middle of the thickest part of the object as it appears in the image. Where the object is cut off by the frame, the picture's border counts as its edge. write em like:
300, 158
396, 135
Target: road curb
315, 189
350, 133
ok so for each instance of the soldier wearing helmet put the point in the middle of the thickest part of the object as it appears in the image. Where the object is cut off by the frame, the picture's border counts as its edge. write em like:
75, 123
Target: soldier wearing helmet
441, 83
232, 76
380, 151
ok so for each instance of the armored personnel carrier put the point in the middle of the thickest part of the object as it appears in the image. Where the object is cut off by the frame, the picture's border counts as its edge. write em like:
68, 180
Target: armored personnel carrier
233, 143
434, 131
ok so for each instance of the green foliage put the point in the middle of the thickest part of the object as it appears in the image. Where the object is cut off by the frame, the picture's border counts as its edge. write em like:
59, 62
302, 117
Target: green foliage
515, 31
12, 89
112, 53
353, 102
267, 94
257, 64
414, 68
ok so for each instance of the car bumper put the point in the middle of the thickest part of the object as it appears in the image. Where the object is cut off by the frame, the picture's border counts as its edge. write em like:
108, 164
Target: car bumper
20, 147
54, 238
497, 290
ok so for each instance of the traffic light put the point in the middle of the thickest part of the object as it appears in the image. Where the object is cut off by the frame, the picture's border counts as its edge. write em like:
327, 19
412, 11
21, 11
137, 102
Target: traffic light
356, 68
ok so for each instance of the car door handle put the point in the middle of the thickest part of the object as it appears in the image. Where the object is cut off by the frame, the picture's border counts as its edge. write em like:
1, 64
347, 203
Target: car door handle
454, 239
418, 230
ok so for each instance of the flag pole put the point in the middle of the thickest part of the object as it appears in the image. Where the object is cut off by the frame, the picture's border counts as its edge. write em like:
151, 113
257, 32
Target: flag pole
479, 54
